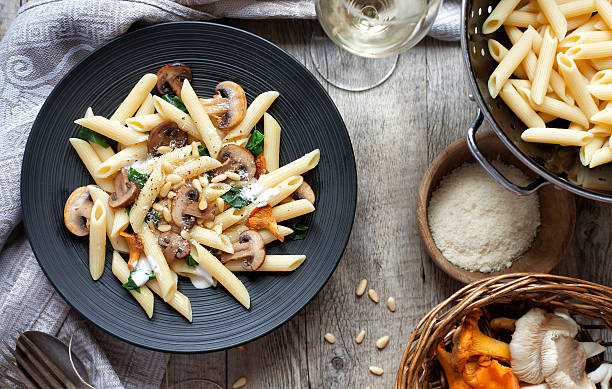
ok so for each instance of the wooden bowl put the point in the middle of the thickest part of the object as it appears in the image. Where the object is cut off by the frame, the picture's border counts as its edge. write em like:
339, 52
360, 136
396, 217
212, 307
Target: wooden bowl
557, 212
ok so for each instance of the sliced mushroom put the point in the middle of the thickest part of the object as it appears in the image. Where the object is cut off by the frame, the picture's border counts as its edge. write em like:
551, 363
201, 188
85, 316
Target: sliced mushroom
170, 78
185, 208
166, 134
237, 104
304, 191
175, 247
126, 191
77, 211
249, 249
235, 159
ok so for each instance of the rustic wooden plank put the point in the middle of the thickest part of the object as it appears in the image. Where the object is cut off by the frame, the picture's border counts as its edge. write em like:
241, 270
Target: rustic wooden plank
190, 369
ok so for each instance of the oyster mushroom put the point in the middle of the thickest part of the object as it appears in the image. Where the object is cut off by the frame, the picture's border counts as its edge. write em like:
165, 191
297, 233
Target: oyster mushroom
235, 159
175, 247
249, 249
77, 211
185, 208
126, 191
563, 362
165, 134
170, 78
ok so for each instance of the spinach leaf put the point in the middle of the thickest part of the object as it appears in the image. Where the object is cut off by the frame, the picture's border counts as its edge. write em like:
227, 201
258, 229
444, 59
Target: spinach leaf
138, 178
131, 285
234, 198
299, 230
151, 276
128, 208
203, 151
176, 101
87, 134
255, 143
190, 261
152, 216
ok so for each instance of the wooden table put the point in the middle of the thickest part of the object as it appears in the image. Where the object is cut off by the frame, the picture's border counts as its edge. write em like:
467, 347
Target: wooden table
396, 129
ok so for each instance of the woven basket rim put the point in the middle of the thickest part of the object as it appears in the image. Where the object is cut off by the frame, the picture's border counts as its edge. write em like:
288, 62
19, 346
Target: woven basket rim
585, 298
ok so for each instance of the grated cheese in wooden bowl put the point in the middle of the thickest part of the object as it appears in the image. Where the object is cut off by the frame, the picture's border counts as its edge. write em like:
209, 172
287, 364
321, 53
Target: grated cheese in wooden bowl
477, 224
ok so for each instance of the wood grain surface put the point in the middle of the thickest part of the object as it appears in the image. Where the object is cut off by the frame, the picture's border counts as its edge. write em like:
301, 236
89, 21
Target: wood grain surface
396, 129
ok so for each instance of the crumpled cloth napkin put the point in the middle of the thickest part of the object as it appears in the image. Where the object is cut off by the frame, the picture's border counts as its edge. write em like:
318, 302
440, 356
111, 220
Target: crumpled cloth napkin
46, 39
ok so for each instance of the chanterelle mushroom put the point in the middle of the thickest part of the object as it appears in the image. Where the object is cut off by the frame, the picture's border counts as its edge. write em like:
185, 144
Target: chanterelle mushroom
487, 373
563, 362
135, 246
249, 249
185, 208
469, 341
454, 379
237, 104
166, 134
235, 159
175, 247
125, 191
77, 211
170, 78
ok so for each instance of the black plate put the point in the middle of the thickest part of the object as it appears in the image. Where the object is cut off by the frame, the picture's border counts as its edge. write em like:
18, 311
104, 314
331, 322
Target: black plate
309, 119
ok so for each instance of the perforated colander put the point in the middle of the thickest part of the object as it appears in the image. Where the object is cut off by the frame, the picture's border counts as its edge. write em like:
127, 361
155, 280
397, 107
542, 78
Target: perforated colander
554, 164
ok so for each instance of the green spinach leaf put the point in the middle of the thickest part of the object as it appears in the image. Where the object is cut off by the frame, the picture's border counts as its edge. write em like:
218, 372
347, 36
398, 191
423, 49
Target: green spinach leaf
203, 151
255, 143
87, 134
299, 230
152, 216
176, 101
138, 178
190, 261
234, 198
131, 285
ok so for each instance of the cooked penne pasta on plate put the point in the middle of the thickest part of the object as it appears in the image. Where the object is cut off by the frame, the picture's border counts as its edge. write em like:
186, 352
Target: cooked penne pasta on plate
187, 186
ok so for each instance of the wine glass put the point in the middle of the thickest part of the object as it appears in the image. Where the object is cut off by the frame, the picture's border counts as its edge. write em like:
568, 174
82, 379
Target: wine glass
372, 32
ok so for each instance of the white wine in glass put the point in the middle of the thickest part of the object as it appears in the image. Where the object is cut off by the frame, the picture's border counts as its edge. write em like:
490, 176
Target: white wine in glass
372, 29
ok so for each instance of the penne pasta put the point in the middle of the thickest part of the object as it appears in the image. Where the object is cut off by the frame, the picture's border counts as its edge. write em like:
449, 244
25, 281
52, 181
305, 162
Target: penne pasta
120, 222
511, 61
196, 167
593, 50
163, 275
135, 98
520, 107
222, 274
179, 301
572, 9
103, 153
201, 121
272, 263
292, 209
215, 190
295, 168
602, 77
182, 119
253, 114
587, 151
581, 37
144, 123
601, 156
272, 132
145, 199
552, 11
498, 16
604, 10
92, 162
498, 52
544, 65
557, 136
603, 117
602, 92
145, 296
585, 68
147, 107
97, 240
122, 159
234, 232
112, 129
116, 241
522, 19
576, 85
211, 239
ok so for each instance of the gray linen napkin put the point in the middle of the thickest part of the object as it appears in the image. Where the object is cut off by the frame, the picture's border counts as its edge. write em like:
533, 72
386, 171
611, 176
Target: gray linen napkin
46, 39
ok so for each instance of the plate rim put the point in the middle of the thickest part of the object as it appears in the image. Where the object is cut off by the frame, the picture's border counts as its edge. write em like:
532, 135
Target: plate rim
308, 73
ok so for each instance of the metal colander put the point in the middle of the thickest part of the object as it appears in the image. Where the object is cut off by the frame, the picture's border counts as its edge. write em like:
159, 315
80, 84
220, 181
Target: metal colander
554, 164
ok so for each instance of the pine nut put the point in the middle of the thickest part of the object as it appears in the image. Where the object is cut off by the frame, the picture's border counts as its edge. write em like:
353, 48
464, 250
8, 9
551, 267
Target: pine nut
391, 304
177, 186
167, 214
240, 382
185, 235
167, 166
171, 194
361, 287
330, 338
194, 150
151, 225
204, 181
360, 337
158, 207
219, 178
373, 295
376, 370
233, 176
197, 184
164, 149
203, 204
220, 205
165, 189
218, 229
164, 227
174, 178
382, 342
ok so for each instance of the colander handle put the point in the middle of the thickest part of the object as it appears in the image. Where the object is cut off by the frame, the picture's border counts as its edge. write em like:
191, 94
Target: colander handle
493, 172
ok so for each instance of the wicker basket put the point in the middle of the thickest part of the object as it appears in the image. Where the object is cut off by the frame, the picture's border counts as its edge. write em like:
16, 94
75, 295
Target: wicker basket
584, 300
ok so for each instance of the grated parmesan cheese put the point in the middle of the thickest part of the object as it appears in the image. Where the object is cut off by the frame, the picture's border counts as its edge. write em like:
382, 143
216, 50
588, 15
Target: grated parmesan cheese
477, 224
